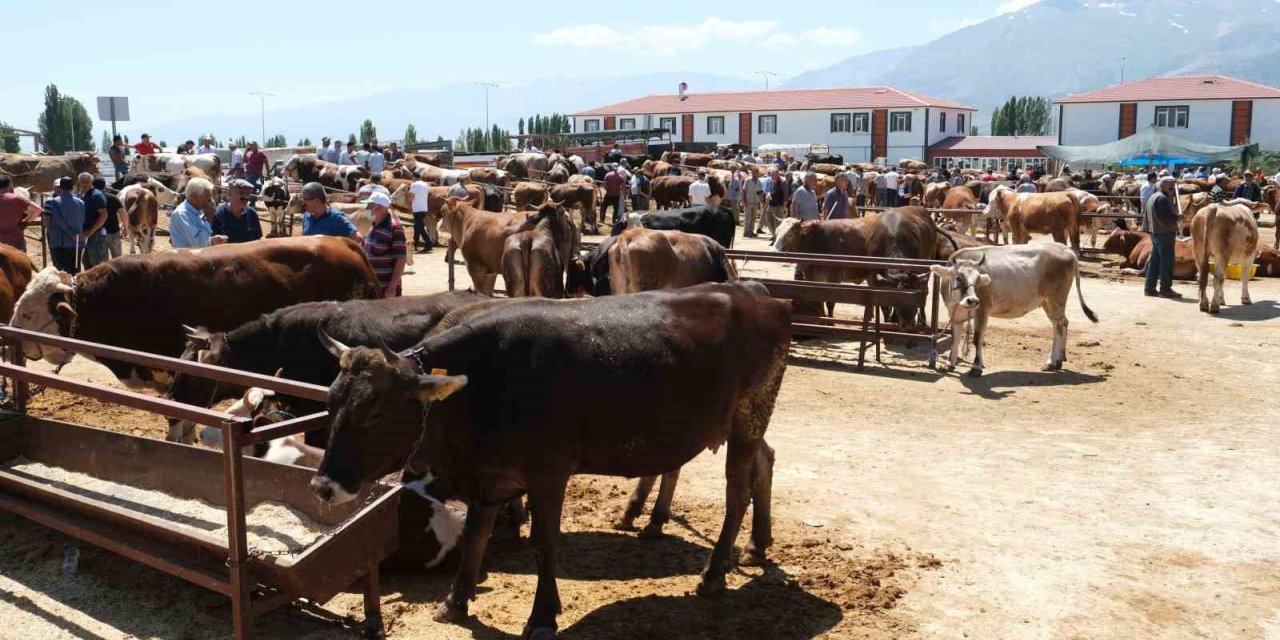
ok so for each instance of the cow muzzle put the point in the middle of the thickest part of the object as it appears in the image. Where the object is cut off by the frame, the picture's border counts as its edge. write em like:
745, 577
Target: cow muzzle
330, 492
969, 302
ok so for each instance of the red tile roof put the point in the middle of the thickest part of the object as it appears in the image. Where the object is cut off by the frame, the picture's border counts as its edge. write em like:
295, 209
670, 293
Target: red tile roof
776, 100
961, 144
1177, 88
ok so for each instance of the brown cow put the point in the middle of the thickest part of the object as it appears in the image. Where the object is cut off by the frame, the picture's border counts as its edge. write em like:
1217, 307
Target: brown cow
482, 236
1054, 213
1188, 205
904, 232
312, 169
139, 217
40, 173
846, 236
827, 169
687, 159
584, 197
961, 197
1134, 248
671, 191
934, 194
1228, 234
15, 272
528, 195
1268, 262
536, 257
490, 175
644, 260
436, 197
654, 168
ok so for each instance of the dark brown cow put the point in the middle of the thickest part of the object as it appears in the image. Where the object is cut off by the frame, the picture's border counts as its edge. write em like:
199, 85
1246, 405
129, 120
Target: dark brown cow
671, 191
527, 403
15, 273
482, 237
141, 302
536, 257
41, 173
1268, 262
904, 232
579, 195
1134, 249
846, 236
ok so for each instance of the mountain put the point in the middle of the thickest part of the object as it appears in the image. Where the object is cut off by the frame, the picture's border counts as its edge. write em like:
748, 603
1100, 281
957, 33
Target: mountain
446, 109
1056, 47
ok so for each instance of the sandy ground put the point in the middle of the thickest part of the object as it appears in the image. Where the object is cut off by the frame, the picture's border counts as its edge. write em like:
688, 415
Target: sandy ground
1129, 496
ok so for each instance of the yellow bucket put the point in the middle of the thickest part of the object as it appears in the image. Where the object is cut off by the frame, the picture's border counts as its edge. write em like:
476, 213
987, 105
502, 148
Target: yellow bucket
1234, 271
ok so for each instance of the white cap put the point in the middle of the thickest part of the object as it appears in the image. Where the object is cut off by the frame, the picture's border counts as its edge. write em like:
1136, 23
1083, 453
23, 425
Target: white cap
378, 198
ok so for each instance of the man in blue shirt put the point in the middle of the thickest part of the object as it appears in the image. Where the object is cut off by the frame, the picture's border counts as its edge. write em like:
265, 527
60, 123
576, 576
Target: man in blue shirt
234, 218
95, 216
321, 220
66, 226
188, 228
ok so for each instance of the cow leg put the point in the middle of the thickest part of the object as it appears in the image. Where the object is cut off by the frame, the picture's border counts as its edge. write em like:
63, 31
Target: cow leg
761, 507
1219, 282
1244, 281
737, 471
635, 504
1202, 275
662, 507
546, 499
979, 337
475, 537
955, 346
968, 338
1057, 312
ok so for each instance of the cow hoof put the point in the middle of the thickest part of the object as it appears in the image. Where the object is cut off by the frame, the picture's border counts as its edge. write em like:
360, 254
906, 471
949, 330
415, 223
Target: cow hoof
625, 524
651, 532
752, 558
1052, 366
975, 373
449, 614
711, 587
538, 633
1246, 301
1213, 309
946, 368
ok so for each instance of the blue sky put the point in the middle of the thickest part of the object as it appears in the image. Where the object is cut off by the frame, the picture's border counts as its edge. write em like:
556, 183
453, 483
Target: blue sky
179, 60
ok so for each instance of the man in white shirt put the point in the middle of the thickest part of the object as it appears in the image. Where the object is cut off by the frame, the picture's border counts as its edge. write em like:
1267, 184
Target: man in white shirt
237, 157
423, 238
377, 161
699, 191
891, 185
347, 157
205, 146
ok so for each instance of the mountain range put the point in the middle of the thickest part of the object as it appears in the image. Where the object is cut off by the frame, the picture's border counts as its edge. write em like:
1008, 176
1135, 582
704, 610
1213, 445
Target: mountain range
1051, 48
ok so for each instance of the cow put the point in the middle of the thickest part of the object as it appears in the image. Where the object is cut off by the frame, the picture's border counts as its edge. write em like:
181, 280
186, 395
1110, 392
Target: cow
646, 260
1134, 249
687, 159
274, 196
311, 169
654, 168
424, 158
951, 241
482, 237
904, 232
1226, 233
524, 165
491, 395
935, 193
911, 165
824, 158
41, 173
827, 169
961, 197
536, 257
169, 181
1090, 204
1268, 262
494, 197
670, 191
1188, 205
209, 163
1009, 282
490, 176
528, 195
558, 174
581, 196
16, 269
438, 176
716, 221
1054, 213
140, 302
139, 217
845, 236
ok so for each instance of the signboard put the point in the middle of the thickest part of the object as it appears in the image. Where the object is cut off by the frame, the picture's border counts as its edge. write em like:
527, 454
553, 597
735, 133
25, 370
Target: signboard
113, 108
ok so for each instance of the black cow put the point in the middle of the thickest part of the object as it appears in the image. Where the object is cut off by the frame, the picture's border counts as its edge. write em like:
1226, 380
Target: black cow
714, 221
493, 197
824, 158
524, 397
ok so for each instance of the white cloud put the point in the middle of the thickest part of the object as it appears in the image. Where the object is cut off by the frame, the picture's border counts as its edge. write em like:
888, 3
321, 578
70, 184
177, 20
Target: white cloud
669, 39
833, 37
1011, 6
780, 41
583, 35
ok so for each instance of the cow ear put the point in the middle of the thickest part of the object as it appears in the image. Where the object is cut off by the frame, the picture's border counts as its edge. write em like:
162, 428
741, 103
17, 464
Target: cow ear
65, 317
436, 388
940, 271
984, 280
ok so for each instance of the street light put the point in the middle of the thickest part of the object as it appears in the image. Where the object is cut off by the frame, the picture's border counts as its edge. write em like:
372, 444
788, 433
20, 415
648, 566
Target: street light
766, 75
1122, 59
262, 99
487, 86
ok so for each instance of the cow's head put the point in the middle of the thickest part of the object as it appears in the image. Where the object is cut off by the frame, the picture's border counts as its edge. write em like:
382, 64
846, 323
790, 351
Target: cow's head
46, 306
207, 348
788, 235
291, 167
376, 406
961, 280
261, 406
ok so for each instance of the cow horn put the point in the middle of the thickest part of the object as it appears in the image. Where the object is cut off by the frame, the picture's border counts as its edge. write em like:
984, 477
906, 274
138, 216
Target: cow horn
982, 260
332, 346
388, 353
63, 287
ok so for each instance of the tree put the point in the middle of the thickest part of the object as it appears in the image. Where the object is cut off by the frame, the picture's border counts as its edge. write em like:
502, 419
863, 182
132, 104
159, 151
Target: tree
1021, 116
52, 124
410, 135
351, 138
367, 131
277, 140
305, 142
80, 124
8, 139
213, 140
106, 140
520, 126
241, 142
973, 129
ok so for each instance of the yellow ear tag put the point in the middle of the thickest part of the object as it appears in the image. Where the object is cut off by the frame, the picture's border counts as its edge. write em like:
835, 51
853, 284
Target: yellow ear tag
439, 372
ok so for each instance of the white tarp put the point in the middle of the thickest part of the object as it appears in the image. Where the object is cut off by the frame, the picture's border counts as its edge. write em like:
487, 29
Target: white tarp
1154, 146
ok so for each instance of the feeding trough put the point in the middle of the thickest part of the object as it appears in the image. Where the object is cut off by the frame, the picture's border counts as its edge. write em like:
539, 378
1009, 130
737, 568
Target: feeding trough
243, 527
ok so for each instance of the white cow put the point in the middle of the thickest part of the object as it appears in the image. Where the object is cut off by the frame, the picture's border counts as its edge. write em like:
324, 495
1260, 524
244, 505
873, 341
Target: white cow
209, 163
1227, 233
1010, 281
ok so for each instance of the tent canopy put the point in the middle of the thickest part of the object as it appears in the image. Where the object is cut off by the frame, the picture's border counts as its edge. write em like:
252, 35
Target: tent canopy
1151, 146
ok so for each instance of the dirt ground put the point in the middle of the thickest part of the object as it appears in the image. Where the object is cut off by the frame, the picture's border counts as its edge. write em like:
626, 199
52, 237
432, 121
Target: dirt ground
1129, 496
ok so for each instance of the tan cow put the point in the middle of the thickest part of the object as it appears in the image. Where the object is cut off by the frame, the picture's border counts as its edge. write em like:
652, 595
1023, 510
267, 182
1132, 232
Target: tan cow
41, 173
535, 258
934, 194
1090, 204
961, 197
1057, 214
1228, 234
139, 217
1188, 205
209, 163
646, 259
311, 169
529, 194
482, 236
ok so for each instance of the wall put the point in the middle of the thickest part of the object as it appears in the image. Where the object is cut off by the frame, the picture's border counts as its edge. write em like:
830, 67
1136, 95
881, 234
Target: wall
1092, 123
953, 127
1208, 121
730, 135
1266, 124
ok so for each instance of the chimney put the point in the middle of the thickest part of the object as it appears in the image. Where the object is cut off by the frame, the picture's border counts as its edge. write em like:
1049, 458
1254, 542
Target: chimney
684, 86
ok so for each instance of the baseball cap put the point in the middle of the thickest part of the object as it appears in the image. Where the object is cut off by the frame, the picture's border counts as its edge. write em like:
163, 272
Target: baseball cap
378, 198
1165, 179
240, 184
146, 135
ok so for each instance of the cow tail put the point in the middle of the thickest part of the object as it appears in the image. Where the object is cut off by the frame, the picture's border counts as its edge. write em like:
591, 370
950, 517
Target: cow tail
1088, 313
954, 247
526, 256
624, 263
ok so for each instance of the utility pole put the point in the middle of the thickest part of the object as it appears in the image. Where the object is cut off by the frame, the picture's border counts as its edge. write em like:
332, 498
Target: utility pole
1122, 59
262, 99
766, 75
487, 86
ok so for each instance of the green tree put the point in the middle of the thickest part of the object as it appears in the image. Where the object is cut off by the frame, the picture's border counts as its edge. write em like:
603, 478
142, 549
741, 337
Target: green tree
163, 144
278, 140
213, 140
367, 131
439, 138
52, 122
305, 142
80, 125
410, 135
973, 129
351, 138
520, 126
8, 139
241, 142
1021, 116
106, 141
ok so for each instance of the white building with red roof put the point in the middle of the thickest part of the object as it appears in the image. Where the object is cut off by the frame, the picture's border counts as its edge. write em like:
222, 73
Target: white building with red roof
861, 123
1213, 110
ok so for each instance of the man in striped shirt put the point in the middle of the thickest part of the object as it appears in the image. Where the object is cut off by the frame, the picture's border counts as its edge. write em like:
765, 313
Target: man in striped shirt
385, 245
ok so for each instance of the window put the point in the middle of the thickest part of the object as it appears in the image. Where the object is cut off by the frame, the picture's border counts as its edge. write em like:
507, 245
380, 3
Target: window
1175, 117
841, 123
960, 124
900, 121
667, 123
627, 123
768, 124
861, 122
590, 125
942, 122
715, 125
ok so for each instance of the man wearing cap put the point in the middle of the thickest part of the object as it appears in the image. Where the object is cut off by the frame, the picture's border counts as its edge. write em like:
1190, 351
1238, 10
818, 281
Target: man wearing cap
66, 226
320, 219
385, 245
15, 210
146, 147
835, 205
188, 227
459, 188
699, 191
1248, 189
234, 218
206, 146
374, 184
1163, 222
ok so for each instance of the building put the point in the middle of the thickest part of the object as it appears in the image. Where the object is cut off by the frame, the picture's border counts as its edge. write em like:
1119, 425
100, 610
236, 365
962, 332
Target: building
992, 152
1213, 110
861, 124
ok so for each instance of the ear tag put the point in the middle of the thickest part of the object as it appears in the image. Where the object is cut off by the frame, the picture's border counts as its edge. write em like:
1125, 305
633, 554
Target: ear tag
439, 372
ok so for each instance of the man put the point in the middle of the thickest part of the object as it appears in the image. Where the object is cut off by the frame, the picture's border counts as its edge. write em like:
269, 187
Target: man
325, 152
146, 147
335, 152
835, 205
459, 188
188, 228
589, 170
375, 184
615, 154
15, 210
891, 186
752, 203
206, 146
613, 189
66, 226
235, 219
255, 163
376, 162
1248, 189
987, 176
347, 157
95, 218
1199, 173
1025, 185
385, 246
118, 153
394, 153
779, 196
635, 188
237, 157
804, 202
187, 148
423, 238
530, 148
907, 190
1163, 221
733, 193
781, 161
320, 219
1219, 191
361, 156
699, 191
1144, 199
111, 229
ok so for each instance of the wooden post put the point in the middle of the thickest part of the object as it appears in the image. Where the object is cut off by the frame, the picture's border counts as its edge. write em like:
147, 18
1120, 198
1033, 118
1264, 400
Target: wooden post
448, 257
237, 536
